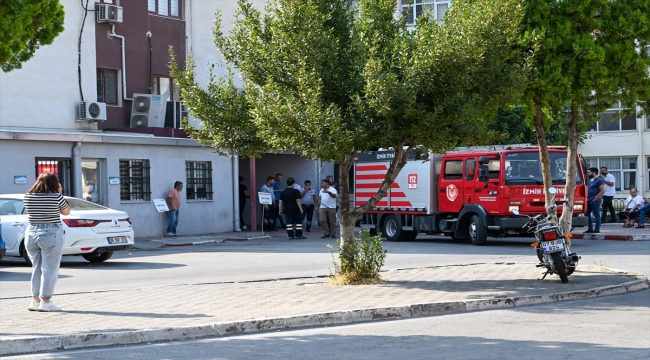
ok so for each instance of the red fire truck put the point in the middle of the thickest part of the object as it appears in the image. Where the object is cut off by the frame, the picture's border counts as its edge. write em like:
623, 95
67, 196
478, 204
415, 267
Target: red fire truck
467, 194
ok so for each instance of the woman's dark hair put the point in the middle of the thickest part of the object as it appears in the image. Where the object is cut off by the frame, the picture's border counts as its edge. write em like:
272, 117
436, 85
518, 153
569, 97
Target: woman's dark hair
45, 183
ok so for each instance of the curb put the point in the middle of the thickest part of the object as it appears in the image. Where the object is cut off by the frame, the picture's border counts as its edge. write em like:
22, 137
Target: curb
638, 237
99, 339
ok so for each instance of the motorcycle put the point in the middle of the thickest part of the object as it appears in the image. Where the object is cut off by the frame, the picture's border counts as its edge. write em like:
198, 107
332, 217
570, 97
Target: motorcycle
552, 245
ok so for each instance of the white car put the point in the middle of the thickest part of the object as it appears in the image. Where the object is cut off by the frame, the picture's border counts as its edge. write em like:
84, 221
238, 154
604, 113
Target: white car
91, 230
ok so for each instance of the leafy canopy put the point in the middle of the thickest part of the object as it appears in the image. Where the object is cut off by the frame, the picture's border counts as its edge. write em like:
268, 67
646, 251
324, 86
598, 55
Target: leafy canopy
26, 25
326, 80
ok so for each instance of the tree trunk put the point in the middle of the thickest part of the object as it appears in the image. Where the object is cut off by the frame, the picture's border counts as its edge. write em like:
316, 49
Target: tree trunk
540, 131
571, 163
348, 218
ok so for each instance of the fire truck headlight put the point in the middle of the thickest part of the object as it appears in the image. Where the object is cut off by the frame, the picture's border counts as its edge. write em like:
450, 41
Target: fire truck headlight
577, 207
511, 208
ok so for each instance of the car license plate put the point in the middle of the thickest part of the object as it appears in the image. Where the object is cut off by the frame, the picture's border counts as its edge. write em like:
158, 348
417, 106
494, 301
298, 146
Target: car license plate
552, 246
118, 240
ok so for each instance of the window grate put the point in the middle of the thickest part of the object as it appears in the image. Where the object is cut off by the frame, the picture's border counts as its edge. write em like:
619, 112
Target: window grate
135, 181
199, 180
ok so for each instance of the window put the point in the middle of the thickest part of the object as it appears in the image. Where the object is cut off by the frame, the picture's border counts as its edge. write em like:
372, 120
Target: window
199, 180
166, 87
453, 169
470, 169
62, 168
135, 183
171, 8
107, 86
648, 174
413, 9
623, 169
106, 1
526, 168
615, 119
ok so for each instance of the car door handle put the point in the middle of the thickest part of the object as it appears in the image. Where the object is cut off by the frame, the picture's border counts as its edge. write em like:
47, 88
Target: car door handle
17, 224
443, 190
477, 190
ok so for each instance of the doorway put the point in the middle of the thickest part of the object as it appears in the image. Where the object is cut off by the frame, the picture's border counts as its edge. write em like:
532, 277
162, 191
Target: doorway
91, 178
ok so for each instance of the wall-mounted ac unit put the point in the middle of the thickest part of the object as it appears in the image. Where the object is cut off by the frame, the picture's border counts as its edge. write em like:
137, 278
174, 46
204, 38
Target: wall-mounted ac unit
147, 111
92, 111
108, 13
173, 115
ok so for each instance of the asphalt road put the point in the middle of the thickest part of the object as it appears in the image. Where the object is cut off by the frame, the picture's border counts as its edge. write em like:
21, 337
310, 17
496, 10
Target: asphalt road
280, 258
614, 327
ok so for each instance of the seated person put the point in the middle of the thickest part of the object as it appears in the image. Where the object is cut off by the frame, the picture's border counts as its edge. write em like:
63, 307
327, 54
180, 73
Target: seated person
632, 205
643, 211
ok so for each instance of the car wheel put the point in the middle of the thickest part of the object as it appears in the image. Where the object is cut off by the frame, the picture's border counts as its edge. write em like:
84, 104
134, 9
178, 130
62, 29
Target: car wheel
23, 253
95, 258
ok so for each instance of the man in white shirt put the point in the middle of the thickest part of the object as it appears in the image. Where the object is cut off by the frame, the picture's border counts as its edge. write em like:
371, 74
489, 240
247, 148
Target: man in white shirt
610, 191
327, 208
632, 204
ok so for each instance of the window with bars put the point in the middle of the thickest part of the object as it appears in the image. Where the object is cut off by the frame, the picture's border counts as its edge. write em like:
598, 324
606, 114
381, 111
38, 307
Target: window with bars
199, 180
623, 168
135, 181
107, 86
62, 168
413, 9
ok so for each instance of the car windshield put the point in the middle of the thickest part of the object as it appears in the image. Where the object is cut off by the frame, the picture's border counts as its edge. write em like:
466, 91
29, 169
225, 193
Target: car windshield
78, 204
525, 168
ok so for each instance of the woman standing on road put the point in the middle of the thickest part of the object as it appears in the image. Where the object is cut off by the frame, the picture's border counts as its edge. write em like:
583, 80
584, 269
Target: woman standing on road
44, 203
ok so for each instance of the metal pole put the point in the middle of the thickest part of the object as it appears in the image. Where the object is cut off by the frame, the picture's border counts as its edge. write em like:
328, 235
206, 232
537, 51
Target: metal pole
253, 197
162, 237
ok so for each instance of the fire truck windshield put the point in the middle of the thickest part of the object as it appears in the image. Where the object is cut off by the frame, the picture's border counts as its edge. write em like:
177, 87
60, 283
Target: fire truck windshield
525, 168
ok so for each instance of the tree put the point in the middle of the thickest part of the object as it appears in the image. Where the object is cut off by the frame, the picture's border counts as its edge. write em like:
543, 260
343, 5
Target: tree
516, 127
24, 27
327, 80
588, 54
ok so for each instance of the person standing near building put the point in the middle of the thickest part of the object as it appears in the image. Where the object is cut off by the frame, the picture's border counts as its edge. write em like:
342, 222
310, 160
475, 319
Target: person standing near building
92, 190
243, 195
174, 205
308, 200
633, 203
595, 192
327, 208
269, 210
291, 207
277, 190
610, 191
44, 203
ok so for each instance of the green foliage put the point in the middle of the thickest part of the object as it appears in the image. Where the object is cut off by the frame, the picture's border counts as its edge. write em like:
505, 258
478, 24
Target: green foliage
367, 259
516, 127
26, 25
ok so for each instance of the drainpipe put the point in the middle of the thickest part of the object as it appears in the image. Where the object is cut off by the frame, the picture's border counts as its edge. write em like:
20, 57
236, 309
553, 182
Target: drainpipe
642, 160
113, 34
235, 191
77, 190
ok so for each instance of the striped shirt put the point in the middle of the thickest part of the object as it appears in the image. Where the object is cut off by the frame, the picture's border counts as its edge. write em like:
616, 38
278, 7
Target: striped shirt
44, 208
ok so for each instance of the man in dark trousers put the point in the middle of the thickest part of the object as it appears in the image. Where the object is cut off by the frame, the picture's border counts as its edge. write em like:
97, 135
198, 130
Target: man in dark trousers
277, 190
243, 195
291, 207
269, 210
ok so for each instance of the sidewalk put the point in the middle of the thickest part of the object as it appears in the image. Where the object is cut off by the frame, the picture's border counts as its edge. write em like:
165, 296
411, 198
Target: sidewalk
614, 231
166, 313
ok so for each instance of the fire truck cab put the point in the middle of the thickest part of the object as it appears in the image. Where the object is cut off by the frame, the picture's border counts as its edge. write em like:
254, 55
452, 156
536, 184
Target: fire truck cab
467, 194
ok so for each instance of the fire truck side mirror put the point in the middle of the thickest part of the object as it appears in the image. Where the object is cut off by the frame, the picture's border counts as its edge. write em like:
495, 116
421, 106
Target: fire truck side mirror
483, 160
483, 172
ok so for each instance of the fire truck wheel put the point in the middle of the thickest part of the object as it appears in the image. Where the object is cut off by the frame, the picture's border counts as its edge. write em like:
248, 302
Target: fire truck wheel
392, 230
477, 230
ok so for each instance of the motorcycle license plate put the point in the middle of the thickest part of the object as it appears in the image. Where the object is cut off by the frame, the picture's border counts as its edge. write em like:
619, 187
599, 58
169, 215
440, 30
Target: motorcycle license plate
552, 246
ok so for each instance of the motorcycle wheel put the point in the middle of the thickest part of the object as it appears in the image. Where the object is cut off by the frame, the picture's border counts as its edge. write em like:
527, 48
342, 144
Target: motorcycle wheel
559, 267
569, 270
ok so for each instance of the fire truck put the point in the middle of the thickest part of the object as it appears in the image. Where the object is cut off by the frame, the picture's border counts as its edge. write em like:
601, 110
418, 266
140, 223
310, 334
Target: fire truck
467, 194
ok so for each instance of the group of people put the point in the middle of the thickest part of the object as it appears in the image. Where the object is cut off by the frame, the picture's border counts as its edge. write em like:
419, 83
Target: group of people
291, 206
601, 191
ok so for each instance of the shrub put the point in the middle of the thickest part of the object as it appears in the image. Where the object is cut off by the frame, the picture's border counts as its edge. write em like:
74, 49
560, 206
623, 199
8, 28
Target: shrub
367, 259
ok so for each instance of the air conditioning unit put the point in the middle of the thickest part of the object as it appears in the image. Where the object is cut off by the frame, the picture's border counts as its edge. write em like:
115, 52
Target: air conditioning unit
174, 115
108, 13
147, 111
92, 111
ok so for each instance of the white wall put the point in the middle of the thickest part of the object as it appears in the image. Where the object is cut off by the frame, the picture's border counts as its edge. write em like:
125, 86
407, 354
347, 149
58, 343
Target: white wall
45, 92
167, 165
628, 143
